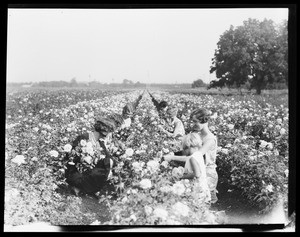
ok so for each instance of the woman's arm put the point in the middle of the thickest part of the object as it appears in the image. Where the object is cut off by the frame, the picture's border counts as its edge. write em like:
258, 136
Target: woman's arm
179, 129
176, 158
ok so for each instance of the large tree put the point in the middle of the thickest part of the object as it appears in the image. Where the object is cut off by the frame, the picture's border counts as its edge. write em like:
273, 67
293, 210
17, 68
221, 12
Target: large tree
255, 52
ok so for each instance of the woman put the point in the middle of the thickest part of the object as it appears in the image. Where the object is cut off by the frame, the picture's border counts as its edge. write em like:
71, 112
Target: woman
90, 180
175, 126
200, 118
194, 166
127, 114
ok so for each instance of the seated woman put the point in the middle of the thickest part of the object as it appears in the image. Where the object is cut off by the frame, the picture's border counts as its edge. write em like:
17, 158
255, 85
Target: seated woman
88, 164
174, 126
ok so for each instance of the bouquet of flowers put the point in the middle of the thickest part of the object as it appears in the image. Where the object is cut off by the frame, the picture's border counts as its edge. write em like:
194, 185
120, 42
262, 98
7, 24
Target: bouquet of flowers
84, 156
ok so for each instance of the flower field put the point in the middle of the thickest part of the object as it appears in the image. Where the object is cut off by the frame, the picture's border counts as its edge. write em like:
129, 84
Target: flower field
253, 156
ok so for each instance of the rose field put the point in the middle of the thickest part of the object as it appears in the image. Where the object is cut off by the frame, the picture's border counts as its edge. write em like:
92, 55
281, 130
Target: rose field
252, 158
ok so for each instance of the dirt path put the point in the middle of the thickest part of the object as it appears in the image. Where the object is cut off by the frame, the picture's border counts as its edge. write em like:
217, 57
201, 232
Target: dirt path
238, 212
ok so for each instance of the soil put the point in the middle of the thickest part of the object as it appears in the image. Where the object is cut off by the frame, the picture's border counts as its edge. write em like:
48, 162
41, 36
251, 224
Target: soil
238, 211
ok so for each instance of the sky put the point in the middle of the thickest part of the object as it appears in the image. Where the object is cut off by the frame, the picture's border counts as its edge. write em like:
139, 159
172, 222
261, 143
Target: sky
110, 45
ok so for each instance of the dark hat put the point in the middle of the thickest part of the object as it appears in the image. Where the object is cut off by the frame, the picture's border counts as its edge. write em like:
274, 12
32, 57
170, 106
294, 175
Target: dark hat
104, 125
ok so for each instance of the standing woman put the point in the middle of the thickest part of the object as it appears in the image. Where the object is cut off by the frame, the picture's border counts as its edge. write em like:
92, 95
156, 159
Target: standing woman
200, 118
89, 173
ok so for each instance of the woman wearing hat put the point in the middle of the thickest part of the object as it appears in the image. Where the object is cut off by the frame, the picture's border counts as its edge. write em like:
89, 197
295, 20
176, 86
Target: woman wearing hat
175, 127
200, 118
95, 172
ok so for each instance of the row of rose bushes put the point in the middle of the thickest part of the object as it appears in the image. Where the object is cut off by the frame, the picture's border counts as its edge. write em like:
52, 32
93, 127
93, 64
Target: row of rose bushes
153, 192
33, 102
34, 151
252, 134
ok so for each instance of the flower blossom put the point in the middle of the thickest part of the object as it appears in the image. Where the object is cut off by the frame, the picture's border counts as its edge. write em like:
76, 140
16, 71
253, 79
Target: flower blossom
282, 131
180, 209
145, 183
129, 152
137, 166
178, 172
19, 159
67, 148
263, 144
178, 188
230, 126
165, 164
152, 166
53, 153
269, 188
160, 213
165, 189
88, 159
83, 143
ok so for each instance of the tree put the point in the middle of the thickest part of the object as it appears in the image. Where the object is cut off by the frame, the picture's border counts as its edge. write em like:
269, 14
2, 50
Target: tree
198, 83
73, 82
254, 52
127, 82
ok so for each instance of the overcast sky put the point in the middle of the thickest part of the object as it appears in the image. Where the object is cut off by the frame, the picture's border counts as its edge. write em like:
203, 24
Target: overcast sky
109, 45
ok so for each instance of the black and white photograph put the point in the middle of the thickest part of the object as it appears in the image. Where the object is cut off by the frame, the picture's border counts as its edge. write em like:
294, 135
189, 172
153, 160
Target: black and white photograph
122, 119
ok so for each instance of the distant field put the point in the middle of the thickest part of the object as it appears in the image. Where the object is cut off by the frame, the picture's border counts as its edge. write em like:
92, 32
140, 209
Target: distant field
225, 91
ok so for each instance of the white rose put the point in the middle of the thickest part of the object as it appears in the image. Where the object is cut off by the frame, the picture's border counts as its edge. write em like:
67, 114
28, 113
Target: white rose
19, 159
230, 126
269, 188
129, 152
34, 159
67, 148
83, 143
165, 150
160, 213
53, 153
270, 145
165, 189
224, 150
178, 188
263, 144
90, 151
165, 164
286, 172
152, 166
145, 183
178, 172
88, 159
181, 209
282, 131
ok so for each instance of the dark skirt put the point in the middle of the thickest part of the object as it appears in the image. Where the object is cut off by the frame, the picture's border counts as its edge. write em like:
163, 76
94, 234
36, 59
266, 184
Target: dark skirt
90, 181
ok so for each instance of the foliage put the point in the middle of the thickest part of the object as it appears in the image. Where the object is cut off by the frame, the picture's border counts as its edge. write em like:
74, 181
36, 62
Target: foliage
255, 52
198, 83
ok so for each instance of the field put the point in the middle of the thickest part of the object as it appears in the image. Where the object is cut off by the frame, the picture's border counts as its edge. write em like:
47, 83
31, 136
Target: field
253, 157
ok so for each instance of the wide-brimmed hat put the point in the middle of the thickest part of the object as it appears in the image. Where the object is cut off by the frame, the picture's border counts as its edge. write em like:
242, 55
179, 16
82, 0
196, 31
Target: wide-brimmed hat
104, 125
